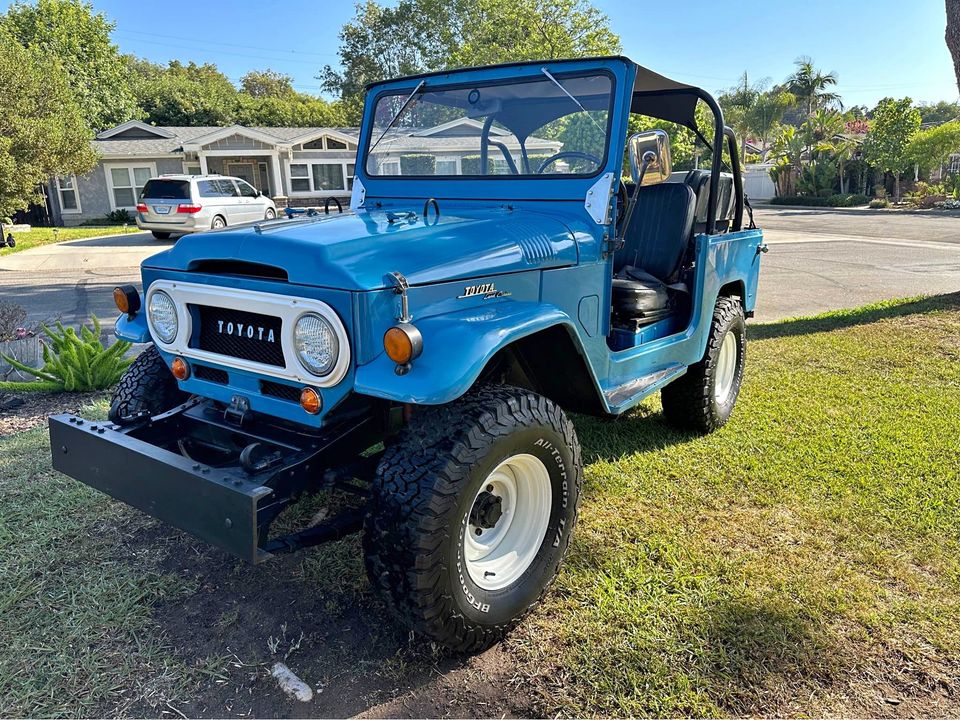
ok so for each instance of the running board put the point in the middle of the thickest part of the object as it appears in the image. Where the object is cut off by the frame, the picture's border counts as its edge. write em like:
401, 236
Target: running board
623, 397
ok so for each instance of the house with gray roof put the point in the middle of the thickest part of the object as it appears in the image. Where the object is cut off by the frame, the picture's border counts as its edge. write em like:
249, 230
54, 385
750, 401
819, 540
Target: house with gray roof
295, 166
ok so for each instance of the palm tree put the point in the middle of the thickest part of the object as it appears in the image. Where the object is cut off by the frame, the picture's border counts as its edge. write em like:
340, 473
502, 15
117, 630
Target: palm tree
810, 85
767, 112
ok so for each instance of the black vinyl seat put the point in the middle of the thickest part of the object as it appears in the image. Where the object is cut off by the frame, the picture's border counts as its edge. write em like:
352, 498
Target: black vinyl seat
699, 182
654, 246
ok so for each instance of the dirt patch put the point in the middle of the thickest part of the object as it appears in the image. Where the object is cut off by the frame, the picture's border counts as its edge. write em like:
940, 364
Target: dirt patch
21, 411
314, 612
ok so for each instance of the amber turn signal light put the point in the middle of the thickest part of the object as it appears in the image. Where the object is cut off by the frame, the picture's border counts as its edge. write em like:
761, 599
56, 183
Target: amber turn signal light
403, 343
127, 299
310, 400
180, 369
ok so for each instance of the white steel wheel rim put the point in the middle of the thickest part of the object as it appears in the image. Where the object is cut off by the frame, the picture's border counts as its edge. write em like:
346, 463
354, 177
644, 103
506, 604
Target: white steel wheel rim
497, 556
726, 368
218, 223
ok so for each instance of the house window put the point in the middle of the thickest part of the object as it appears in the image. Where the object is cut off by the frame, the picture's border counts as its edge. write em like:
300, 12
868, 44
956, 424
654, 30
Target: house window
299, 178
446, 166
191, 169
321, 177
954, 164
67, 190
126, 183
328, 177
390, 167
335, 144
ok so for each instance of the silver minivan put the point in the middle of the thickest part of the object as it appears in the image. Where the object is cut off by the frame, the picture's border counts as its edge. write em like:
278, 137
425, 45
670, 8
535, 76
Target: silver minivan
181, 204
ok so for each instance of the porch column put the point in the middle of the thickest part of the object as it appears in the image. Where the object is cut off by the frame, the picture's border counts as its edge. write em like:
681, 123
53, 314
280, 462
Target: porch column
203, 163
278, 184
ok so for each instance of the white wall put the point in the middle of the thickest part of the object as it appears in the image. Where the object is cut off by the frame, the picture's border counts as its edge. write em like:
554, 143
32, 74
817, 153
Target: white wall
756, 181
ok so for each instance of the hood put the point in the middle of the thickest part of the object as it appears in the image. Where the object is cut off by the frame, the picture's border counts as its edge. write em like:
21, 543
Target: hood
357, 251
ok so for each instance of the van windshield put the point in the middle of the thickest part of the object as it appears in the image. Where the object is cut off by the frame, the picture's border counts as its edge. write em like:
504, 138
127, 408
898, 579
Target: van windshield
166, 190
547, 125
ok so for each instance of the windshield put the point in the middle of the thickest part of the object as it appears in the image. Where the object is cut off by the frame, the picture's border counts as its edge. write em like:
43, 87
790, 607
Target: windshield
547, 125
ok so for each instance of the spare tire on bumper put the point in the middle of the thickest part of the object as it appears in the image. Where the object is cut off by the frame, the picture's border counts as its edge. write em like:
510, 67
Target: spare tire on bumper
472, 513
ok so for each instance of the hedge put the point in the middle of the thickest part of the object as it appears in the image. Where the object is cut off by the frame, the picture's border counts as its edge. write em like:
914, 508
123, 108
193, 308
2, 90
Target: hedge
417, 164
831, 201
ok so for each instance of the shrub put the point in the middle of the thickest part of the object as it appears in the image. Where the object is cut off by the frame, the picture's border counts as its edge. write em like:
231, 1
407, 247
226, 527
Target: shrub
879, 203
470, 165
6, 221
926, 194
118, 217
78, 362
12, 319
417, 164
836, 200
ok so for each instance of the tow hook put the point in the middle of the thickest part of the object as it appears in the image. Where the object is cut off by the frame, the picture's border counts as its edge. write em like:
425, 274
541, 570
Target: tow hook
237, 410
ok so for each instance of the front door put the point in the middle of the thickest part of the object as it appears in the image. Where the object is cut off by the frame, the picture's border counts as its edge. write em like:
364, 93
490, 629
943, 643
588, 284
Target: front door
246, 170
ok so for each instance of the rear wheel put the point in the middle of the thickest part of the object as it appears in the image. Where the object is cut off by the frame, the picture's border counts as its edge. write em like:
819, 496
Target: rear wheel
161, 235
703, 399
472, 513
146, 387
218, 223
271, 214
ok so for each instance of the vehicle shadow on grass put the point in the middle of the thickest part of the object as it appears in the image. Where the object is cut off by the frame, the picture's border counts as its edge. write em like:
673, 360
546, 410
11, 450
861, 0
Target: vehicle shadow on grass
314, 611
840, 319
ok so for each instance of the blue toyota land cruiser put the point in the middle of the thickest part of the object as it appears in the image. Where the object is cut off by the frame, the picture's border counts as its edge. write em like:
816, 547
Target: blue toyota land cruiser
415, 357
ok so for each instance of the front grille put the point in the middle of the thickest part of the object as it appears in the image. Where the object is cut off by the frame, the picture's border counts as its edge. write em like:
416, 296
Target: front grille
280, 391
239, 334
210, 374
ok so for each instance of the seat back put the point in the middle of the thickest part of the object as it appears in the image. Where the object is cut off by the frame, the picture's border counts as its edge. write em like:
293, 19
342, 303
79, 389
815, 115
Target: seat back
699, 181
659, 230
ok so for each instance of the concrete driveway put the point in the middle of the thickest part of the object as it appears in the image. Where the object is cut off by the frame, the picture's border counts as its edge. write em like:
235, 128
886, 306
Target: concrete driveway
818, 260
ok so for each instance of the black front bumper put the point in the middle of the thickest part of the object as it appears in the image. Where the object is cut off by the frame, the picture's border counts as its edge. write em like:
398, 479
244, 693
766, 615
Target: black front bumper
221, 503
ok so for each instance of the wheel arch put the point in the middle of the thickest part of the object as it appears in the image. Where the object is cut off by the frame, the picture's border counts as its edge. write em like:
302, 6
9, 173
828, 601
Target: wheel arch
549, 362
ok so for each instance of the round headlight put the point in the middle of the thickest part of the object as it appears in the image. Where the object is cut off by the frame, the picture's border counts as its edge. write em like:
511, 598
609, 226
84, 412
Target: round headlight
163, 316
316, 344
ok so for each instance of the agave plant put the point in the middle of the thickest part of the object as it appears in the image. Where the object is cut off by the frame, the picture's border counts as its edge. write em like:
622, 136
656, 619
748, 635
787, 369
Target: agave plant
77, 361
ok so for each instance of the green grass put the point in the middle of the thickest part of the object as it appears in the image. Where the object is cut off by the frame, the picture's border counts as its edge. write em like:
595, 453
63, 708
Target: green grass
790, 562
804, 560
76, 593
46, 236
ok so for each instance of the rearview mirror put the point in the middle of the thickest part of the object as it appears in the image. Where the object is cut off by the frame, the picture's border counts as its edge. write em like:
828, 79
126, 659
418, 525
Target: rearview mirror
649, 157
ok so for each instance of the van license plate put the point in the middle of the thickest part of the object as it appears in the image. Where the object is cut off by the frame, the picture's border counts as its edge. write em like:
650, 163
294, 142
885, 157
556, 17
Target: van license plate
162, 209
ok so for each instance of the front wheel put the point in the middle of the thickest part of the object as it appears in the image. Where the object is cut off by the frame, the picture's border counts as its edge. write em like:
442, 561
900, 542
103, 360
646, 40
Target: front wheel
703, 399
472, 513
271, 214
146, 388
218, 223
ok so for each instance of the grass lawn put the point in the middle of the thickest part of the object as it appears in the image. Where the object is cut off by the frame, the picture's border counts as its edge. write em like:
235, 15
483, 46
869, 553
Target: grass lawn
45, 236
804, 560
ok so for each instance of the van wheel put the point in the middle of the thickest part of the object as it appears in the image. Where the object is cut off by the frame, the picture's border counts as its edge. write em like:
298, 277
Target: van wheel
271, 214
161, 235
471, 514
147, 386
218, 223
703, 399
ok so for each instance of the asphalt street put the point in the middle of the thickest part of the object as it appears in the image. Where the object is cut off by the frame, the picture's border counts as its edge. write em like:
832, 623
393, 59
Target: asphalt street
818, 260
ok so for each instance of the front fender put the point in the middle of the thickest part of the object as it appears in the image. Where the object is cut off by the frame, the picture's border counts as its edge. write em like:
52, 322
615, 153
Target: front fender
456, 348
135, 330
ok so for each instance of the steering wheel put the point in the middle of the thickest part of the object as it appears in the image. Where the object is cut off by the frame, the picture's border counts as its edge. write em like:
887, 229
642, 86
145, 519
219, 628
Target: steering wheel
573, 155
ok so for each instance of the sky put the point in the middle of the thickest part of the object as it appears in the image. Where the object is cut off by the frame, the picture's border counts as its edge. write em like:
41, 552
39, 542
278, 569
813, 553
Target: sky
878, 48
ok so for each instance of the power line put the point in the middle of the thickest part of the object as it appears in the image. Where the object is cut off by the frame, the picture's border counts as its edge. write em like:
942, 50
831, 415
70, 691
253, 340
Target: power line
312, 63
205, 42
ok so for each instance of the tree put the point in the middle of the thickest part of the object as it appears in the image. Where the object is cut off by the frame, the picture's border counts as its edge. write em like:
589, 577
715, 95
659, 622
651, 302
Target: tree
423, 35
788, 149
297, 110
43, 131
932, 148
70, 31
953, 35
940, 112
183, 94
737, 104
767, 112
267, 83
895, 122
810, 85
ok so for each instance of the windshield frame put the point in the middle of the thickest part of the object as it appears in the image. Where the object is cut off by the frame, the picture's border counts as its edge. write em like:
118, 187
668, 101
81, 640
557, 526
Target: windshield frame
559, 74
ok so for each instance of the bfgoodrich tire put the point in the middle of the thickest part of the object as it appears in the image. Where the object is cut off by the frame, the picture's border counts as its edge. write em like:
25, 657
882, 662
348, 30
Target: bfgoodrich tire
501, 460
146, 386
703, 399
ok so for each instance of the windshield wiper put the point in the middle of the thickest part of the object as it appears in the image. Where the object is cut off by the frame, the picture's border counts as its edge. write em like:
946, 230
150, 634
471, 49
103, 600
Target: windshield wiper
403, 107
565, 92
